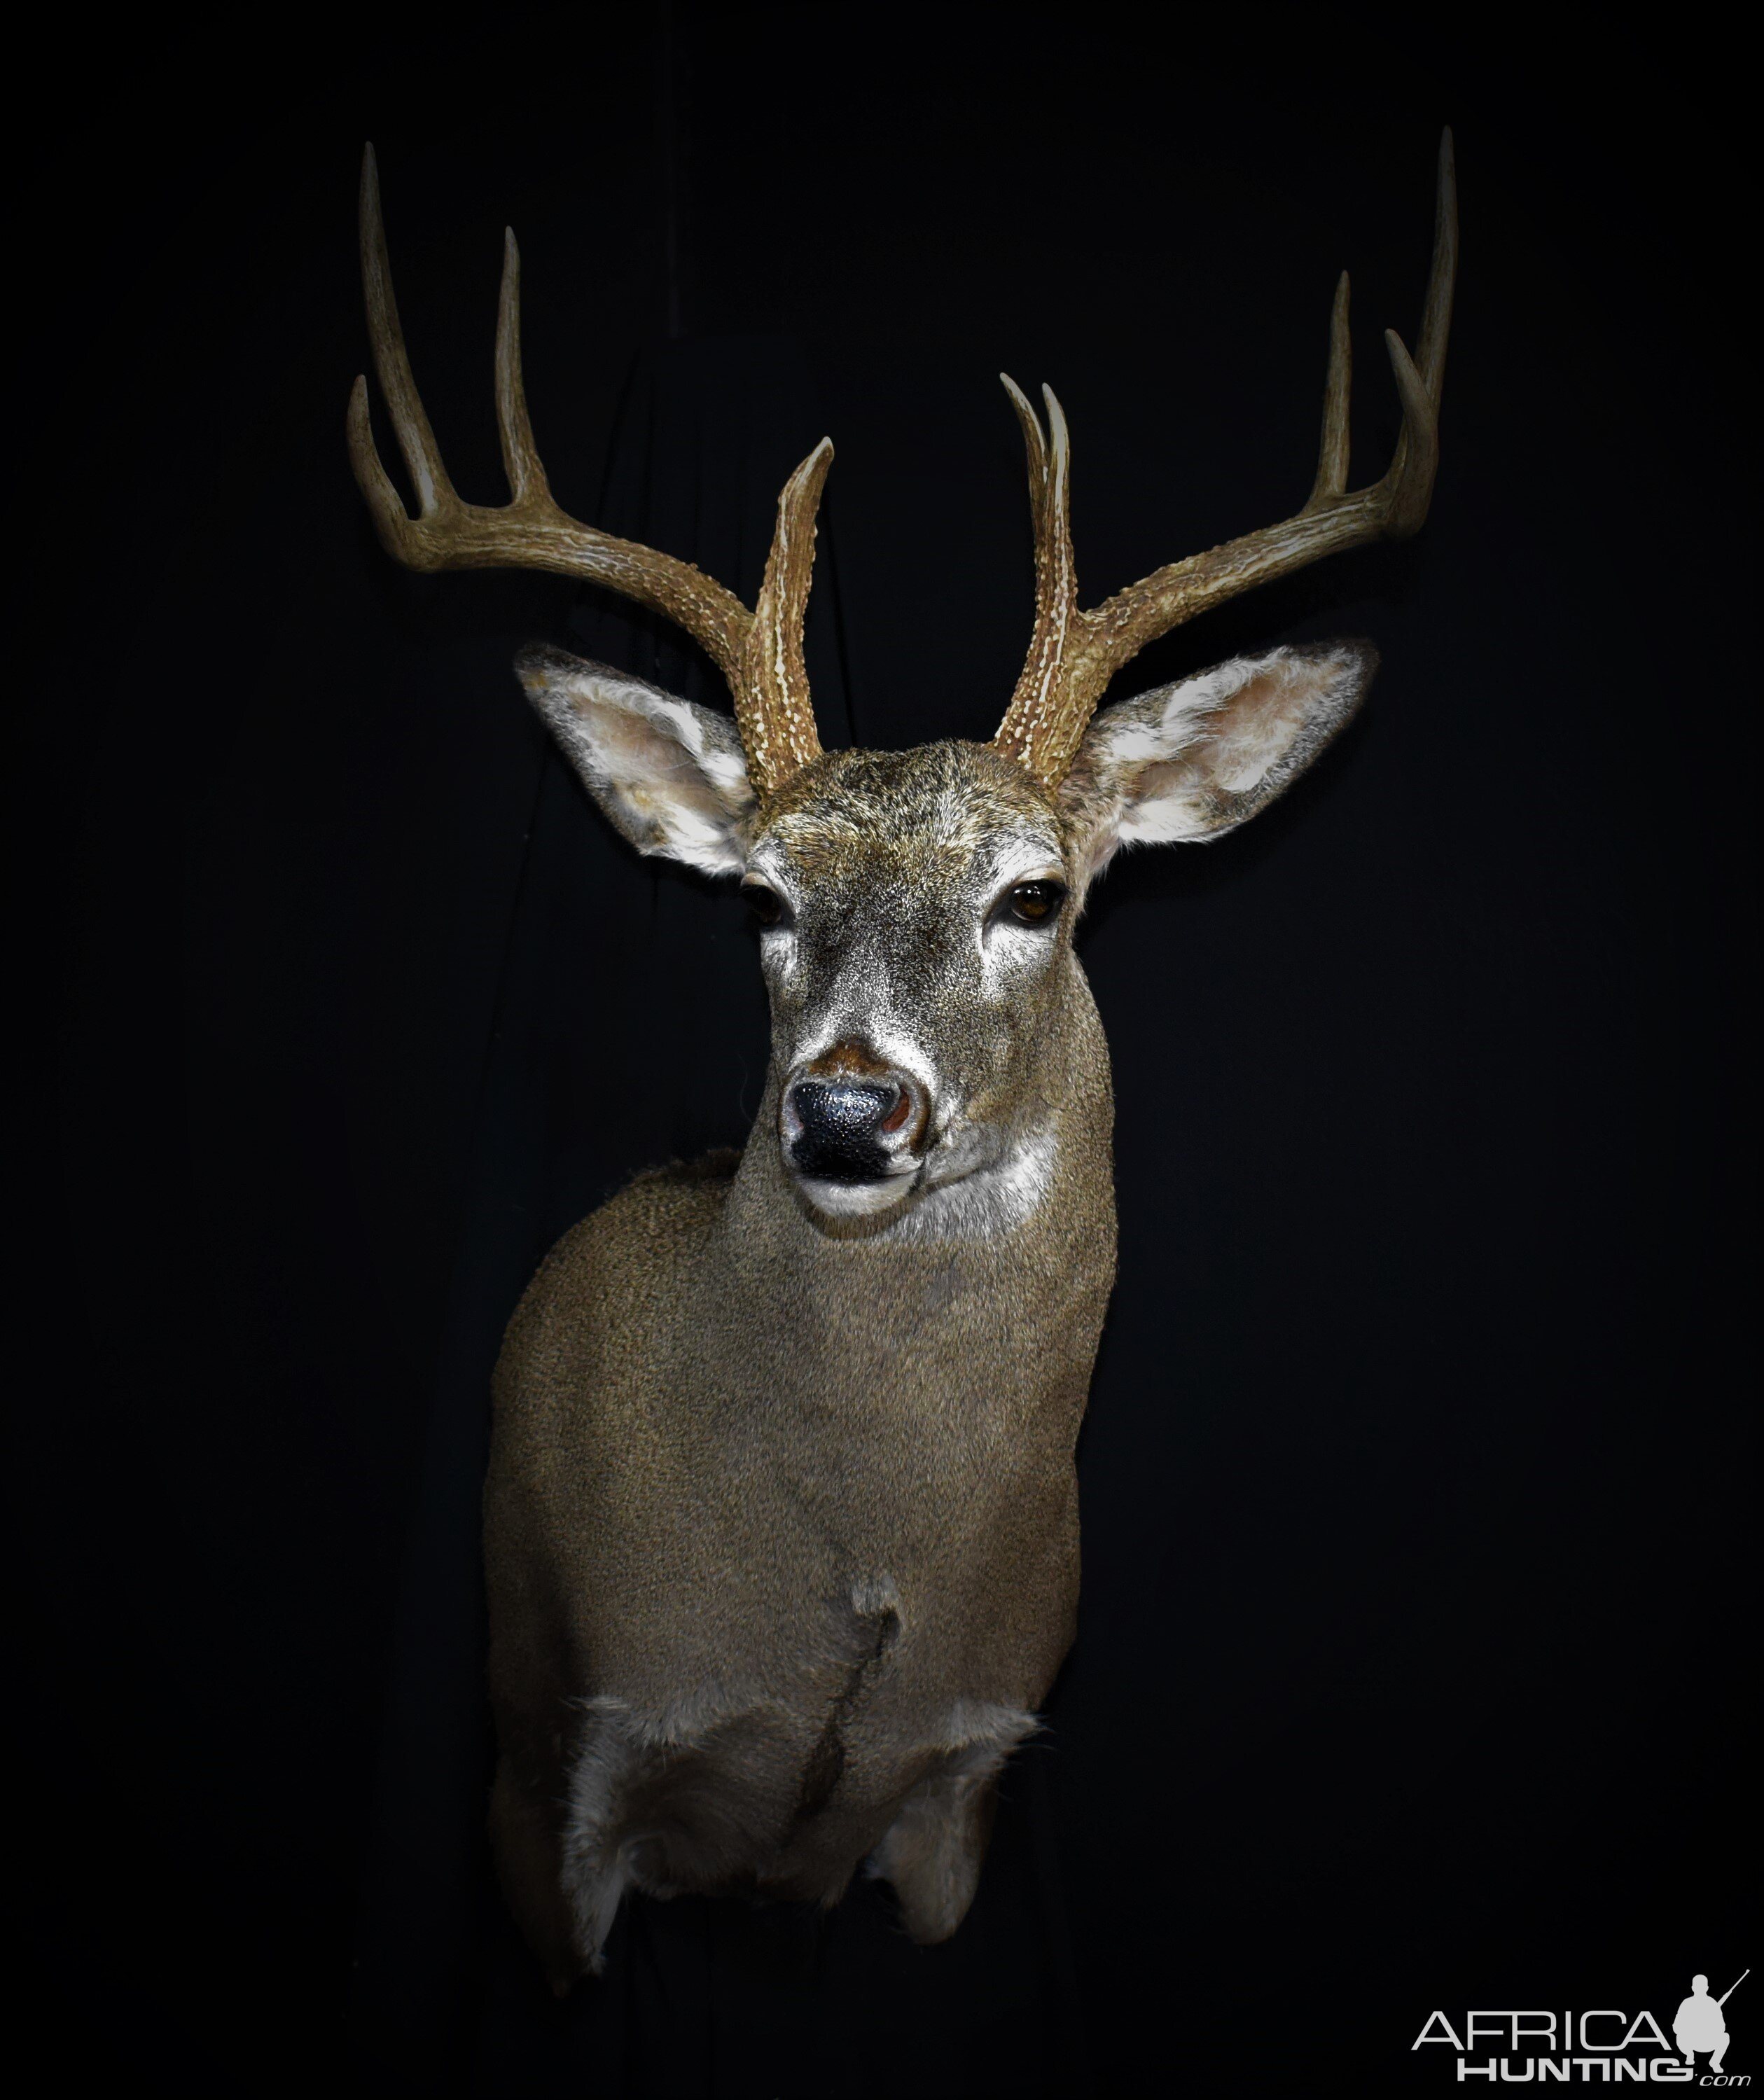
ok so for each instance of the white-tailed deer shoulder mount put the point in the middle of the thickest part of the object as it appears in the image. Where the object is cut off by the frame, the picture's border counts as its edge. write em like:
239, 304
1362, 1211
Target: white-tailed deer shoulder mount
781, 1518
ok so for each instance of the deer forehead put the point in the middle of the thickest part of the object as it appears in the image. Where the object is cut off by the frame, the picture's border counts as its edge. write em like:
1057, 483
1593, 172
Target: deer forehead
940, 815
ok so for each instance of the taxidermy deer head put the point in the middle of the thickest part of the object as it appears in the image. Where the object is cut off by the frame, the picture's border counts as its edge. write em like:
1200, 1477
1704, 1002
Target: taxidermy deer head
781, 1521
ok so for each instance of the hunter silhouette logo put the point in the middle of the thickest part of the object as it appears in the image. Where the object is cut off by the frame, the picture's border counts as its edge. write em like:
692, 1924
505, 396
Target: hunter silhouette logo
1699, 2024
1602, 2044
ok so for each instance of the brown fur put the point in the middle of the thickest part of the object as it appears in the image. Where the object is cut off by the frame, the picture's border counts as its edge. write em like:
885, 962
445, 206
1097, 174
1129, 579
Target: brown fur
782, 1519
715, 1421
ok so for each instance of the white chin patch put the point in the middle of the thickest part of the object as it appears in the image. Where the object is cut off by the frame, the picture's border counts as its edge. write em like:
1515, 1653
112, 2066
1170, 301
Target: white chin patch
855, 1199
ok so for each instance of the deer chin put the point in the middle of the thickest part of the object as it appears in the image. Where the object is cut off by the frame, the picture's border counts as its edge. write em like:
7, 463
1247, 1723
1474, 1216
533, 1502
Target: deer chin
845, 1200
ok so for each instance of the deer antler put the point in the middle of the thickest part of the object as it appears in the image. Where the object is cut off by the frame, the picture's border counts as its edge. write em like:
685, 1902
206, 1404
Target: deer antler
1073, 653
760, 653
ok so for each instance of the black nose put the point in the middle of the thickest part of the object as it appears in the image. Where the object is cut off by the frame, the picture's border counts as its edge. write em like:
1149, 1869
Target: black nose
839, 1123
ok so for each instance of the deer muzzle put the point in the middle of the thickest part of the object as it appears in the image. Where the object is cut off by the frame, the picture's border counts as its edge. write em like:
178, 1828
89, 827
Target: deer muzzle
851, 1132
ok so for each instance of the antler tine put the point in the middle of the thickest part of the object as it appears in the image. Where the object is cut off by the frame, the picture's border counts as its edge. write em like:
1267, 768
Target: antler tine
1332, 454
1407, 486
1028, 719
1061, 684
391, 361
1034, 447
1436, 316
520, 458
772, 704
1057, 537
1409, 481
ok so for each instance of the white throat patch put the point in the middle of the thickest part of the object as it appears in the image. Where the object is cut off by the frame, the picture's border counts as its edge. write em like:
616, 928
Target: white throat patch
989, 1202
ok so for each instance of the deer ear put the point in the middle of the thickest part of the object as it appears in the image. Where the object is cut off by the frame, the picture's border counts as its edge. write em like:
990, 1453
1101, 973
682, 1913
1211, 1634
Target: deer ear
1195, 760
669, 774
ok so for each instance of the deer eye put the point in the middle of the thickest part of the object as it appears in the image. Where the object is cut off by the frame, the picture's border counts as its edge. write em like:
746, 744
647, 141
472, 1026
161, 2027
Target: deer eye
767, 905
1035, 904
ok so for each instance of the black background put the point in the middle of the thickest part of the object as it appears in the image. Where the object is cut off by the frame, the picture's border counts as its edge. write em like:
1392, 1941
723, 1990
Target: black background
1415, 1480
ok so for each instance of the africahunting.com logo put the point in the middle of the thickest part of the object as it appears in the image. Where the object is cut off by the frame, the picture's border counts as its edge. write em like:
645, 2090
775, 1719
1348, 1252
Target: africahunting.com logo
1612, 2048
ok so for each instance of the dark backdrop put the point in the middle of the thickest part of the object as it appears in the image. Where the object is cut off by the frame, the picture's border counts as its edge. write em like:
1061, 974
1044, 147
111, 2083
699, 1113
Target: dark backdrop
1415, 1481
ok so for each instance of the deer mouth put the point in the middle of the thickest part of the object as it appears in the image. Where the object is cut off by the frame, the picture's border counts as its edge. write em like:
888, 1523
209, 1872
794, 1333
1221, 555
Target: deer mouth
858, 1199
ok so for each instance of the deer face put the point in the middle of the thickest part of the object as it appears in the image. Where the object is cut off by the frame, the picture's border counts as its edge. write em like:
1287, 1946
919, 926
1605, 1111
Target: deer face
916, 934
916, 908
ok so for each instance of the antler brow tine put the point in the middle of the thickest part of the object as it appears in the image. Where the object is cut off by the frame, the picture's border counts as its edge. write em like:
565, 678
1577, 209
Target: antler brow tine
1073, 653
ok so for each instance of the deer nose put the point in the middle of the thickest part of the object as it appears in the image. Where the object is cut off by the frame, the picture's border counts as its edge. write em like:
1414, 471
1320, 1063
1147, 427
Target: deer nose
843, 1129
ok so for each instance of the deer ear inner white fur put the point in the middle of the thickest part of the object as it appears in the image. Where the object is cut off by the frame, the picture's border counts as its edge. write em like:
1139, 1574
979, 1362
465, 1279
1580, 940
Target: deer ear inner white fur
669, 774
1196, 759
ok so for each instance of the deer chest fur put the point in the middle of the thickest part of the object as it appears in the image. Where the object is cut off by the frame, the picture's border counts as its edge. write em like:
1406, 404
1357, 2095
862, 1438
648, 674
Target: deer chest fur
788, 1516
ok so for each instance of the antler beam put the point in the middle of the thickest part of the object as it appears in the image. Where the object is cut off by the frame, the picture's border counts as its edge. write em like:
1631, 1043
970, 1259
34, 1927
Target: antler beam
759, 653
1074, 653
